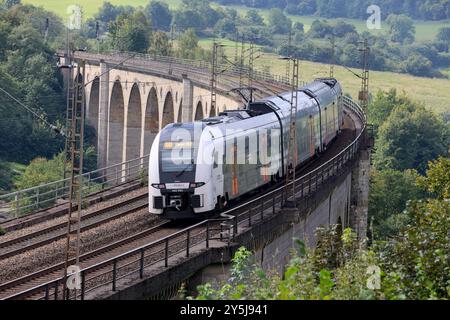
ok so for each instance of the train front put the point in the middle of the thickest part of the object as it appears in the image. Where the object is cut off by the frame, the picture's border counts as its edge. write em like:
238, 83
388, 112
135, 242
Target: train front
179, 185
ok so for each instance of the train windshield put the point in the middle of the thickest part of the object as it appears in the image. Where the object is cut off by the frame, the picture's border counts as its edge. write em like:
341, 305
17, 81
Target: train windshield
177, 158
178, 152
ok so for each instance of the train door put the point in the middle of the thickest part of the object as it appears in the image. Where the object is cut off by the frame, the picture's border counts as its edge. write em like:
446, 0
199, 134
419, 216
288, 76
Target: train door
312, 135
218, 171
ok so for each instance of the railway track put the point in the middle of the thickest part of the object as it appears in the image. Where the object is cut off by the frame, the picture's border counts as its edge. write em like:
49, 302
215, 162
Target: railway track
61, 209
56, 232
88, 259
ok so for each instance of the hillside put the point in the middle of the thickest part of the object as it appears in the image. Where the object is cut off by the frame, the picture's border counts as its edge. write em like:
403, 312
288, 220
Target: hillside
434, 93
425, 30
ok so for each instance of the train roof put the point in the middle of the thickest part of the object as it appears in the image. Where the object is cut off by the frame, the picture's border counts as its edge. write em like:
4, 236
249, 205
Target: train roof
323, 90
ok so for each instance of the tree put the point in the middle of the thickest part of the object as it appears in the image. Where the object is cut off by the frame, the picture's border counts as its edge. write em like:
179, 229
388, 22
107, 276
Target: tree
131, 33
160, 44
225, 27
299, 27
444, 34
159, 14
341, 28
401, 28
109, 12
437, 179
320, 29
382, 105
390, 191
196, 14
188, 47
8, 4
279, 22
409, 138
254, 18
418, 65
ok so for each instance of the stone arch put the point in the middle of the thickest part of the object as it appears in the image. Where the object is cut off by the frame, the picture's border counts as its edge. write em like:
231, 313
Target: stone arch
180, 112
213, 111
151, 126
94, 99
168, 115
134, 125
199, 112
116, 124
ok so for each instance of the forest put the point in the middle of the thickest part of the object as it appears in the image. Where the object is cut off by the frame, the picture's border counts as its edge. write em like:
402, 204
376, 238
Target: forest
356, 9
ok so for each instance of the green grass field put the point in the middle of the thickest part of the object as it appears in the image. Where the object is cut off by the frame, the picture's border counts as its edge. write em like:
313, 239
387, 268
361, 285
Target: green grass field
90, 7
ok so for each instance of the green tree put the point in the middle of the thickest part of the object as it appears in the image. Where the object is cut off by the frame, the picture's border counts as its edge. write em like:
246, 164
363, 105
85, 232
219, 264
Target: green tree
279, 22
416, 263
8, 4
382, 105
320, 29
109, 12
409, 138
390, 191
419, 65
225, 27
342, 28
130, 32
444, 34
437, 179
254, 18
401, 28
159, 14
42, 171
160, 44
188, 47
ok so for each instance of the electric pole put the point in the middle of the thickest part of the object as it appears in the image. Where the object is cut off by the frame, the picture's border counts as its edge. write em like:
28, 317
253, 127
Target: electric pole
333, 56
364, 93
172, 39
292, 149
214, 74
97, 35
288, 62
241, 63
74, 161
251, 62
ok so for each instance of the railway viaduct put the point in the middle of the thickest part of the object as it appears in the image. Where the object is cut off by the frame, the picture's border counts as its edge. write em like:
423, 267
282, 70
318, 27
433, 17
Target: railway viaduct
128, 100
128, 103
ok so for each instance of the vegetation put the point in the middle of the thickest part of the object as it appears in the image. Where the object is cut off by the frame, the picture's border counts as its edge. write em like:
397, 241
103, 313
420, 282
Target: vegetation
425, 10
409, 138
28, 71
413, 263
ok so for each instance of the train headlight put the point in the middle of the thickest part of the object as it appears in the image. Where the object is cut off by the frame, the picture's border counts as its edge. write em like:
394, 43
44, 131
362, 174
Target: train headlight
194, 185
159, 186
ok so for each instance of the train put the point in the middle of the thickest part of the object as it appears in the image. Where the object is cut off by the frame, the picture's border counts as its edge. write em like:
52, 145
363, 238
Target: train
200, 168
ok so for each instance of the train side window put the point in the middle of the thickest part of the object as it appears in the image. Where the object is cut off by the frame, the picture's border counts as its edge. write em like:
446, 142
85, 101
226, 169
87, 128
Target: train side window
216, 160
247, 150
